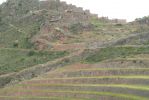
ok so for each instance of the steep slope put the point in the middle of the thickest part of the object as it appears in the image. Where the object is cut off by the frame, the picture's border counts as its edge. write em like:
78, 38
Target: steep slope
116, 79
116, 73
50, 50
40, 24
50, 25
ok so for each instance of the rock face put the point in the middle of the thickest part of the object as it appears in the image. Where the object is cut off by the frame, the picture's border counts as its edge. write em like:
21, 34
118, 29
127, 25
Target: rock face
41, 18
18, 8
64, 17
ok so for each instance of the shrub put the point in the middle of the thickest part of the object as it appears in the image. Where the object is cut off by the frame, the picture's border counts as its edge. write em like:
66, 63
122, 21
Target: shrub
31, 53
76, 28
16, 44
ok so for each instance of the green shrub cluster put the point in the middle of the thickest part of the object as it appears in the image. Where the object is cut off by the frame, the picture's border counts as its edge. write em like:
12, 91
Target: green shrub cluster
76, 28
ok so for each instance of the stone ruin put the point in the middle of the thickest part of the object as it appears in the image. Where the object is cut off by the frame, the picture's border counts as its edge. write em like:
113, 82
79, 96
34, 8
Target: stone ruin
119, 21
63, 7
114, 21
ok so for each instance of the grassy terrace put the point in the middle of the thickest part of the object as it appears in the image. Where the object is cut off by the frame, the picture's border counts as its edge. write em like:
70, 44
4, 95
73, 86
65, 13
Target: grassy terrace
123, 96
103, 69
136, 87
40, 98
115, 52
13, 60
23, 58
98, 77
134, 81
95, 72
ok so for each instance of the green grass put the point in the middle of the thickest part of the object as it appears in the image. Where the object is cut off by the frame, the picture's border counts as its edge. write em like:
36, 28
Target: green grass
39, 97
99, 77
8, 37
123, 96
102, 69
115, 52
22, 34
13, 60
135, 87
99, 23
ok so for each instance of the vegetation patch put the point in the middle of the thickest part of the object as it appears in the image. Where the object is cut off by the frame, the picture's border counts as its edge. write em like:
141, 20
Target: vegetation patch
38, 97
115, 52
13, 60
76, 28
100, 77
123, 96
16, 37
133, 87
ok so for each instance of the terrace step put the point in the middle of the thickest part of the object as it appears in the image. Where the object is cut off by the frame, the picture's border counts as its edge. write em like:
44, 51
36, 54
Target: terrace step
47, 89
89, 95
37, 98
141, 80
84, 83
98, 72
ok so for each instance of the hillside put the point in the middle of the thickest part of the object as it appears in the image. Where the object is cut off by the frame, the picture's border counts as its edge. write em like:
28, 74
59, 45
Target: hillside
51, 50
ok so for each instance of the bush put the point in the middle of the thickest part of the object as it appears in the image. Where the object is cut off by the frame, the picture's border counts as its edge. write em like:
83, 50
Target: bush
5, 80
31, 53
119, 25
16, 44
76, 28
